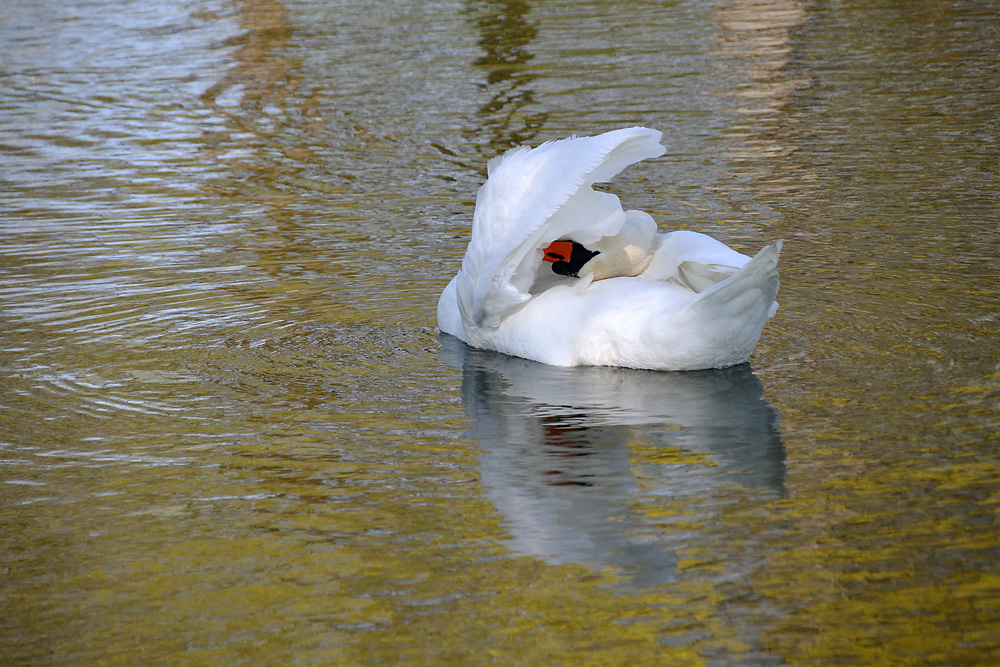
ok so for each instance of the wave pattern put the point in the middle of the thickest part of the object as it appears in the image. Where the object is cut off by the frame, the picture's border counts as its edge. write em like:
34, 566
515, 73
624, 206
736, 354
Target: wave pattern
230, 433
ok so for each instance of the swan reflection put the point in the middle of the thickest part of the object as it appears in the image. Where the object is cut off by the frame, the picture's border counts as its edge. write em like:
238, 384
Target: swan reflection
558, 450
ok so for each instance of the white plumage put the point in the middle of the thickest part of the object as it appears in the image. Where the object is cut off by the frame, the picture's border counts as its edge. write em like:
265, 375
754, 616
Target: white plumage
694, 304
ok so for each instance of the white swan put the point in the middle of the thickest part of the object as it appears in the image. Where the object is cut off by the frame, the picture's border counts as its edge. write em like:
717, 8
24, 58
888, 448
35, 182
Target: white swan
557, 272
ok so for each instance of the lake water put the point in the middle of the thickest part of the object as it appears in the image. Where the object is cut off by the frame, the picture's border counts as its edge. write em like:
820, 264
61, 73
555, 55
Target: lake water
230, 432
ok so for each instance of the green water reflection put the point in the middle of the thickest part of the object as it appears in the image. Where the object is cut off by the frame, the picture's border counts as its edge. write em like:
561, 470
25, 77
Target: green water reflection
230, 432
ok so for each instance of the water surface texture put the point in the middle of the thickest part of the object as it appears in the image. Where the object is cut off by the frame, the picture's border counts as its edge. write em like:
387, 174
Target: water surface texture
230, 432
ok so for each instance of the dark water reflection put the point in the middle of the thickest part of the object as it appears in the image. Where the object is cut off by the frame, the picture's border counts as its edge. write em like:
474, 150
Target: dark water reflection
229, 431
563, 449
506, 33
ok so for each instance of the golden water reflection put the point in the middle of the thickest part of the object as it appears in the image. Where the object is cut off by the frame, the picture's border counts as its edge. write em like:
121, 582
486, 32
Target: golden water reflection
230, 432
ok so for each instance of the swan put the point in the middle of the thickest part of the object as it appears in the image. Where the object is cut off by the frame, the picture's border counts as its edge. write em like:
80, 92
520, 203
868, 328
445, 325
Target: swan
559, 273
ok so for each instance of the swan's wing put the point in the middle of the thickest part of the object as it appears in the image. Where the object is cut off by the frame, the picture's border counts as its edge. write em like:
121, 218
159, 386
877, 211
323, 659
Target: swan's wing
694, 260
534, 196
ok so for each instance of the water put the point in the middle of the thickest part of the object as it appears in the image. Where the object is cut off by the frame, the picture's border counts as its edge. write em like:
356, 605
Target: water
232, 434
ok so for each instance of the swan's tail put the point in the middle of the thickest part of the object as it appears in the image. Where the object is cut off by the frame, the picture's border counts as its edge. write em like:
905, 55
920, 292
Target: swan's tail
746, 300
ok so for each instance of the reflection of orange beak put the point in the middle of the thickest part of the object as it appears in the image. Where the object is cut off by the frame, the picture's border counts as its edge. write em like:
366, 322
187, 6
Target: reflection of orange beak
559, 251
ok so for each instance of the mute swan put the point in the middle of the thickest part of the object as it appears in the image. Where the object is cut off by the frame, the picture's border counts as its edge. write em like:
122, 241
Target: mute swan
557, 272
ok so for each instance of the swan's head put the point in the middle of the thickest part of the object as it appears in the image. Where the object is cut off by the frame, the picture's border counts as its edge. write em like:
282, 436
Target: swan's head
568, 257
626, 253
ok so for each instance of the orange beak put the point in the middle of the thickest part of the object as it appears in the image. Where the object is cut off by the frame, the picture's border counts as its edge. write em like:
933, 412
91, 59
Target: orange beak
559, 251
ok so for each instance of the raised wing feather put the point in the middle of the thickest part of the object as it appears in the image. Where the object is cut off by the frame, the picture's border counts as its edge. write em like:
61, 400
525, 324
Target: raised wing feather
535, 196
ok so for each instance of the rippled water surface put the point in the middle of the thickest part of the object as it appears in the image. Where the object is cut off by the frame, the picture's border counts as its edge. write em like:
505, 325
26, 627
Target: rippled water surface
231, 434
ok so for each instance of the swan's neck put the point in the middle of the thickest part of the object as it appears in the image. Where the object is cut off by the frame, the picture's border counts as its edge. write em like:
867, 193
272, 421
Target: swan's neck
627, 253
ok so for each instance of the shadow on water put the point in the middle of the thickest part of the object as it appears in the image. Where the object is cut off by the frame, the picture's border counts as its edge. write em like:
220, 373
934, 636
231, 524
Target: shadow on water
561, 448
